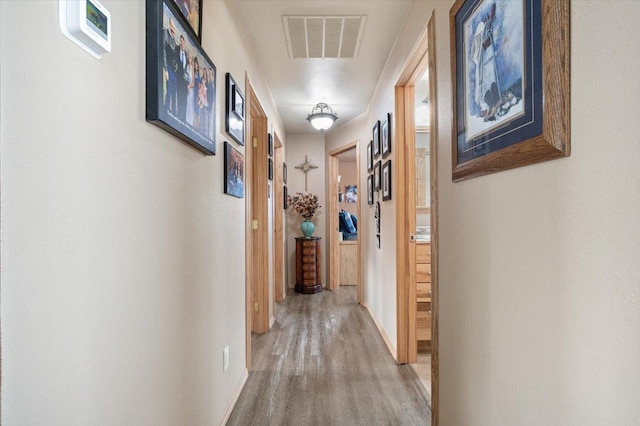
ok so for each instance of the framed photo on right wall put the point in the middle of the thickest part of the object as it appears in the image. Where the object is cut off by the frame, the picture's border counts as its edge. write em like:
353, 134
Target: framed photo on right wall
386, 181
510, 64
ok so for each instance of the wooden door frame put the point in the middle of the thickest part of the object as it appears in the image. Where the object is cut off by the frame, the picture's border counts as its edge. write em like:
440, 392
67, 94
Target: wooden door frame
421, 60
257, 240
334, 243
279, 281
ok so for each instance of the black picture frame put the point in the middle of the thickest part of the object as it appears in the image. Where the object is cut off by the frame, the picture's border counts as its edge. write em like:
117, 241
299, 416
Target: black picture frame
511, 94
386, 180
270, 144
191, 11
285, 193
284, 173
370, 156
376, 139
234, 110
233, 171
370, 190
385, 135
270, 166
168, 79
376, 176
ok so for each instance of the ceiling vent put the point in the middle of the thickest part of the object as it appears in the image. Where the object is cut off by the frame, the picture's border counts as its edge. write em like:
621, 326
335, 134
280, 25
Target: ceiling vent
323, 36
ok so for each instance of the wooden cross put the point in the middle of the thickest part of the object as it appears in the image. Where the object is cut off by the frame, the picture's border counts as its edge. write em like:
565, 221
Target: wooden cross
306, 167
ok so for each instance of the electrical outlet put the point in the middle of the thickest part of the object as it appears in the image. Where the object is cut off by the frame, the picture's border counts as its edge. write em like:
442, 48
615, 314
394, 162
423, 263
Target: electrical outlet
225, 358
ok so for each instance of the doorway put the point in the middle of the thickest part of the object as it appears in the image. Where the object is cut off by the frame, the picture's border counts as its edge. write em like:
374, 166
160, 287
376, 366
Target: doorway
416, 307
344, 245
257, 217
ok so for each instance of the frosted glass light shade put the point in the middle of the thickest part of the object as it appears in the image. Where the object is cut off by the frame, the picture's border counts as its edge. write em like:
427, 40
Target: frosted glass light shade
322, 117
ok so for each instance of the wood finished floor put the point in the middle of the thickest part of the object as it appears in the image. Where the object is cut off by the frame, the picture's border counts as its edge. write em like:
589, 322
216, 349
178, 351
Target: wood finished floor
324, 363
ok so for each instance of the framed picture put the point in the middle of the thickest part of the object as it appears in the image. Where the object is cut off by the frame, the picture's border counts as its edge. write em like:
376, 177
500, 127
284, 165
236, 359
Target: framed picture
284, 173
233, 171
386, 181
234, 110
191, 11
180, 78
270, 144
376, 175
370, 156
351, 194
370, 190
385, 135
286, 197
376, 139
270, 168
511, 84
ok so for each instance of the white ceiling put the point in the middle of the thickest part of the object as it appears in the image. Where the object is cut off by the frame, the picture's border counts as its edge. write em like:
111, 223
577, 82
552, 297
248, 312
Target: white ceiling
297, 85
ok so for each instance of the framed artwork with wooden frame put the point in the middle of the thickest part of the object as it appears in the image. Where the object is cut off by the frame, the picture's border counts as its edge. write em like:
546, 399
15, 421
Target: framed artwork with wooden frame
191, 11
510, 65
234, 111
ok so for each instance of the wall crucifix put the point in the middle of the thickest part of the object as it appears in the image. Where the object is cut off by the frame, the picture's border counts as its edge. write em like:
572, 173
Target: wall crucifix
306, 167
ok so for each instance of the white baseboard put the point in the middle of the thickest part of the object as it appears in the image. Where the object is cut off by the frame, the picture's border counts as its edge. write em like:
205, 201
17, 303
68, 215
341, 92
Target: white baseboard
234, 398
386, 339
271, 322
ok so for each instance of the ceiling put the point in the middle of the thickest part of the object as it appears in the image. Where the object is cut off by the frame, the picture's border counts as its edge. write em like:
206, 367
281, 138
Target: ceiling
297, 85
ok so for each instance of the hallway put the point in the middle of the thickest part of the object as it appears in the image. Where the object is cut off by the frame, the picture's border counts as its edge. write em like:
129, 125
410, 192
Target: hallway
324, 363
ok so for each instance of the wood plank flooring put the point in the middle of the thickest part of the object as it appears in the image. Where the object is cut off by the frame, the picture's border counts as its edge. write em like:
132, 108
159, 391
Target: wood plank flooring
324, 363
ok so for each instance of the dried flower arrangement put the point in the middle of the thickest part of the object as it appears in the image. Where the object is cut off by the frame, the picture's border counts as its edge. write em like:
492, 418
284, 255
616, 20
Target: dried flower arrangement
306, 204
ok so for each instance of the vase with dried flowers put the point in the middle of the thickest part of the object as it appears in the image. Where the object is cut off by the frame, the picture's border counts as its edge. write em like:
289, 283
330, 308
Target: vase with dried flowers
308, 206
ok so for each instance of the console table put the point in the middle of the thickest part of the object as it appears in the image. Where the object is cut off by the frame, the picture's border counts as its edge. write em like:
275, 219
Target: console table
308, 264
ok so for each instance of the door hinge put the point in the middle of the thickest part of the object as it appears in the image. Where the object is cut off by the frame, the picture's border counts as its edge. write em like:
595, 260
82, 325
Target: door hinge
255, 142
255, 307
254, 224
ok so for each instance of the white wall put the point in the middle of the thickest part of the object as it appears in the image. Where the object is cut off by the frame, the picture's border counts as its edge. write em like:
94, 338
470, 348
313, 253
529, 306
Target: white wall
539, 266
313, 147
122, 259
539, 278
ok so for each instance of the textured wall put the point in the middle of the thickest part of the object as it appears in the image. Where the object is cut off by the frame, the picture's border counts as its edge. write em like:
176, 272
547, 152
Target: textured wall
122, 259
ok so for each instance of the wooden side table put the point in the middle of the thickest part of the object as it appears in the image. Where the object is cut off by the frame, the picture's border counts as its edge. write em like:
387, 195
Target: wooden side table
308, 264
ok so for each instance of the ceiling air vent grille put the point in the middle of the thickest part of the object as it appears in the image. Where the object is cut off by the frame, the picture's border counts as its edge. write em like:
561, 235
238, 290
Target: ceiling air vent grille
323, 36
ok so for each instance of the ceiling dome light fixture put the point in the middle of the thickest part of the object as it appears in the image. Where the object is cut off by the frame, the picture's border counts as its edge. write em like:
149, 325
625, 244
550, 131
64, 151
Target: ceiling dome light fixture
322, 117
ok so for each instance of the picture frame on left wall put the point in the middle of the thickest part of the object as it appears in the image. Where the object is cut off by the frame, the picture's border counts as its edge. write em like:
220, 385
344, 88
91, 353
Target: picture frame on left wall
176, 101
233, 171
234, 110
191, 11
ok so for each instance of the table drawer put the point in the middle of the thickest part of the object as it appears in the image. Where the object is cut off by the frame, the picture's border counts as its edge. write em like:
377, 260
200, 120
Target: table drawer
423, 253
423, 290
423, 272
423, 321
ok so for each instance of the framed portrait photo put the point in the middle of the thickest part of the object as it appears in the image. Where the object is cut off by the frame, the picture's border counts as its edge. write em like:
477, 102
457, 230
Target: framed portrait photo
180, 78
511, 84
376, 139
370, 156
385, 135
386, 181
233, 171
370, 190
191, 11
234, 110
